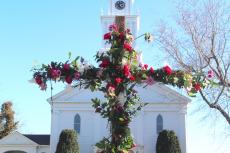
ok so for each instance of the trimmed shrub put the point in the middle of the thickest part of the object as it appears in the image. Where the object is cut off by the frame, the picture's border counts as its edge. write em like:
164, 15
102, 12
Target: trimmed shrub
68, 142
167, 142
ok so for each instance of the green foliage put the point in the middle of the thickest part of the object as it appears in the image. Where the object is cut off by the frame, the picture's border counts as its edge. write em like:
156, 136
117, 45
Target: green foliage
167, 142
68, 142
105, 145
7, 120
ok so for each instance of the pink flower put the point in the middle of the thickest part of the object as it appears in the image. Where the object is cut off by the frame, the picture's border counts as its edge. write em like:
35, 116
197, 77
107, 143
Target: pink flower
210, 74
77, 75
107, 36
128, 47
150, 81
55, 73
167, 70
43, 86
145, 66
134, 145
111, 89
113, 27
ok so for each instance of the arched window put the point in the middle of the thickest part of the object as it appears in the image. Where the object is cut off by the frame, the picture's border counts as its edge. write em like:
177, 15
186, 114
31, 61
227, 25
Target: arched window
77, 123
159, 124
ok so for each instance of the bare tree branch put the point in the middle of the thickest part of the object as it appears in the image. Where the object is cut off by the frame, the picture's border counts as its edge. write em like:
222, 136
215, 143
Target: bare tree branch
200, 43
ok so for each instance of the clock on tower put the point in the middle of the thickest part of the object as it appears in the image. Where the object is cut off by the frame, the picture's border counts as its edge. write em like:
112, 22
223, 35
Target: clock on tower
120, 7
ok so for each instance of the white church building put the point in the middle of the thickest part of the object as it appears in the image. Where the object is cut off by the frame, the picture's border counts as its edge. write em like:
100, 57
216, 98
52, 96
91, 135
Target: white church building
72, 109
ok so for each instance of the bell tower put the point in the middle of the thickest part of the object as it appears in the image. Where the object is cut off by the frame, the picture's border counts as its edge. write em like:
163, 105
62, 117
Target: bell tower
121, 8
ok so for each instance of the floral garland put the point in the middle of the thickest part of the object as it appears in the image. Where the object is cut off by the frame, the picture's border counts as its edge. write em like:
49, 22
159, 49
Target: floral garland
120, 69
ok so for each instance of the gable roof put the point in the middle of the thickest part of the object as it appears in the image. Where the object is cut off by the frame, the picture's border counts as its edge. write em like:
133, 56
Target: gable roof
16, 138
39, 139
157, 93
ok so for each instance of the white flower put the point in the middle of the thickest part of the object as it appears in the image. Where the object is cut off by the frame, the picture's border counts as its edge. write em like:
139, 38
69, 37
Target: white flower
81, 68
124, 61
149, 37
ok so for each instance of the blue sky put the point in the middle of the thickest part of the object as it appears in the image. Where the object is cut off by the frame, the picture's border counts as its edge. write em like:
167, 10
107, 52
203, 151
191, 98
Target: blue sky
35, 32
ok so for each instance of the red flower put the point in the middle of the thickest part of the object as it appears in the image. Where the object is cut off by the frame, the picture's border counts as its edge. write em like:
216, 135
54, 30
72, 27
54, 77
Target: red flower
151, 70
128, 47
122, 35
38, 79
126, 70
167, 70
68, 79
197, 86
66, 67
118, 80
145, 66
107, 36
105, 63
132, 78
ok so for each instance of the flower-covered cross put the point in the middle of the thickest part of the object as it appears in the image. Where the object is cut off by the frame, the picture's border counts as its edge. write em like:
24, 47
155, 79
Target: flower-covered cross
117, 74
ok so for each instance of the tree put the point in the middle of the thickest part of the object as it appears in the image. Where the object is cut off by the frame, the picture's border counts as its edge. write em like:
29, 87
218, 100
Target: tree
118, 74
199, 43
7, 120
167, 142
68, 142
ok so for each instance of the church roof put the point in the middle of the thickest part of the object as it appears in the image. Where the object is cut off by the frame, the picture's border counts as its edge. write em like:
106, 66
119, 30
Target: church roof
18, 139
157, 93
39, 139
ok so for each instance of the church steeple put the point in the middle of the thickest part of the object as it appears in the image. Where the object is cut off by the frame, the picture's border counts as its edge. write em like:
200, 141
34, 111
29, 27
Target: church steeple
121, 8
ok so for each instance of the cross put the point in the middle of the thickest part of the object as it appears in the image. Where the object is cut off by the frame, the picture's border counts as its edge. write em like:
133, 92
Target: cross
116, 76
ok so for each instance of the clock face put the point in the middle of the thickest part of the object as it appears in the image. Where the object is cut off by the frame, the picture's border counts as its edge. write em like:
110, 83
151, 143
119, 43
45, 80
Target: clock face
120, 5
